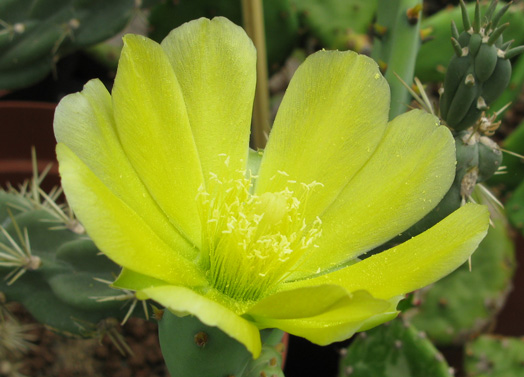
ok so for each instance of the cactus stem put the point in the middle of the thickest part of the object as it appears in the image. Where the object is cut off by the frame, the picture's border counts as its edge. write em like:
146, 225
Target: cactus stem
497, 33
513, 52
500, 13
476, 20
507, 44
454, 30
465, 17
456, 47
491, 9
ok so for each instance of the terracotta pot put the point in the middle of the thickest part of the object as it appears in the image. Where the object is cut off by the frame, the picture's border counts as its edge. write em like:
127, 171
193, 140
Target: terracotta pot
24, 125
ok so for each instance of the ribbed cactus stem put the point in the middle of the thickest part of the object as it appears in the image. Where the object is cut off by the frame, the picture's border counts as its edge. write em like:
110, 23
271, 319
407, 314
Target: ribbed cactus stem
480, 71
398, 47
465, 16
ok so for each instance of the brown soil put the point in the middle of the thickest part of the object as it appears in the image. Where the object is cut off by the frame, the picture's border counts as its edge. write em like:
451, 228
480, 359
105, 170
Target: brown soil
56, 356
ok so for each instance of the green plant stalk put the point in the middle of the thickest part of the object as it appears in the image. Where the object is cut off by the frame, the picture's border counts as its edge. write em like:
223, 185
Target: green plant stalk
253, 15
397, 45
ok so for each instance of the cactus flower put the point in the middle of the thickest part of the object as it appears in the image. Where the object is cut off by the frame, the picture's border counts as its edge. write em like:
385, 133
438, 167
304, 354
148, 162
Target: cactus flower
161, 175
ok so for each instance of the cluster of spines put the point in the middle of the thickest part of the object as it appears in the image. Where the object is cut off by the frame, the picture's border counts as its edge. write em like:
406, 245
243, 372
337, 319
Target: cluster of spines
49, 264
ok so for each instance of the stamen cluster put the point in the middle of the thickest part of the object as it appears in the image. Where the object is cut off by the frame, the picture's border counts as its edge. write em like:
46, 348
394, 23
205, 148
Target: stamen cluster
250, 242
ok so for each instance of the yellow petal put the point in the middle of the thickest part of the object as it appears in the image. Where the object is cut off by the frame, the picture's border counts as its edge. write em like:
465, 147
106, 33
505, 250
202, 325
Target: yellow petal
153, 127
322, 314
183, 301
406, 177
416, 263
331, 119
215, 64
119, 231
84, 122
134, 281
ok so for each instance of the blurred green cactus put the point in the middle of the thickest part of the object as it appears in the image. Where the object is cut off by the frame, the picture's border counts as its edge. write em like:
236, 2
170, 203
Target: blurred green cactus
394, 349
337, 24
479, 71
514, 167
280, 18
50, 265
430, 65
451, 311
494, 356
35, 34
396, 45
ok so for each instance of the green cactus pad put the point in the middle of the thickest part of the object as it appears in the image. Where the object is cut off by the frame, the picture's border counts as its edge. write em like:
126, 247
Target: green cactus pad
36, 33
392, 350
191, 348
494, 356
268, 364
59, 289
465, 303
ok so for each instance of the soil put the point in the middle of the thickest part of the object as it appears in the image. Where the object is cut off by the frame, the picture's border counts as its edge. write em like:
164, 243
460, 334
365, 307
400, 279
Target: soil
57, 356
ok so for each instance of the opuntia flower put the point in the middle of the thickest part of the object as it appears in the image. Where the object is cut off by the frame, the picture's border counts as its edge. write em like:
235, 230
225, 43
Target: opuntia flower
161, 175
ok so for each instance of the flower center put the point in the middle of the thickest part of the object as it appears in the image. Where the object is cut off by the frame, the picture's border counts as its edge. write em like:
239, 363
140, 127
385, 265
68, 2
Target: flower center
252, 242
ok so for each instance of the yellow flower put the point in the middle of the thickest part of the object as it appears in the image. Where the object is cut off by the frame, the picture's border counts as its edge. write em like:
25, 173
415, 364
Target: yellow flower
161, 176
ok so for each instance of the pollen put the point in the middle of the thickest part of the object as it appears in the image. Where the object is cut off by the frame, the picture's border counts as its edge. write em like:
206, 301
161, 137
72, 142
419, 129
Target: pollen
251, 242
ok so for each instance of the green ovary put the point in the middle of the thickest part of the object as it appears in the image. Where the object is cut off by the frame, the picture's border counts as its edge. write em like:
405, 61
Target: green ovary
252, 242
